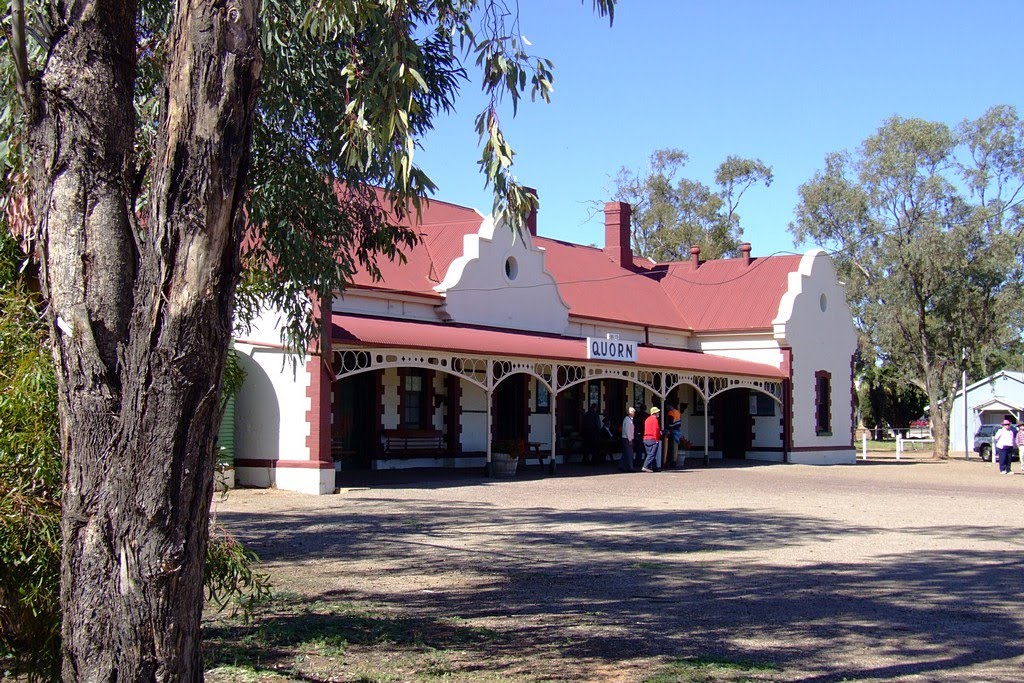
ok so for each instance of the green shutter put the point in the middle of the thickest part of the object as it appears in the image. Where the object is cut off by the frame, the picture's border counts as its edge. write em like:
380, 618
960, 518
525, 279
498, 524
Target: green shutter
226, 435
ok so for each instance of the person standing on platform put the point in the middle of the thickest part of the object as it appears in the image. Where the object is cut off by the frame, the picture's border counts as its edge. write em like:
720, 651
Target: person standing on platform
638, 443
591, 433
1003, 443
628, 431
1019, 442
674, 431
652, 441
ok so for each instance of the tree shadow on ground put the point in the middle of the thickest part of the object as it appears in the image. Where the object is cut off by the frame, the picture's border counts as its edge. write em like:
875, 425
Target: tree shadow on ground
611, 584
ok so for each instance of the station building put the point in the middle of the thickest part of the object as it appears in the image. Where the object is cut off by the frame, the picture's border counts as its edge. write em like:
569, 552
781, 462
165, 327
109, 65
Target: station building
484, 335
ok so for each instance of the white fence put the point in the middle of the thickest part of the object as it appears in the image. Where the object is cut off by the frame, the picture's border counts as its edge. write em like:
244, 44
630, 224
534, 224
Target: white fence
901, 444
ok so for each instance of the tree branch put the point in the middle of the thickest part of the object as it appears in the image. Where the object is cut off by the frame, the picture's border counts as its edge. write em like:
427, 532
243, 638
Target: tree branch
19, 52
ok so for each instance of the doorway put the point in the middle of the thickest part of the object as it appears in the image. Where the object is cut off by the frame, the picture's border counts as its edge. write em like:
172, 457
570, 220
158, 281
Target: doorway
511, 408
355, 428
731, 414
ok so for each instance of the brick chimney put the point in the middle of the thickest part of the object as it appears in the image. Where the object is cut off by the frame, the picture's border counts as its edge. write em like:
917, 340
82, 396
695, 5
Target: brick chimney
745, 250
531, 220
617, 234
695, 256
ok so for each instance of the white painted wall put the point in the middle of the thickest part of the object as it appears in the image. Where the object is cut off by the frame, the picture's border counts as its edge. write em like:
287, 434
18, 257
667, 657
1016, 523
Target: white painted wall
371, 303
815, 322
315, 482
540, 429
270, 411
477, 289
762, 348
474, 418
436, 415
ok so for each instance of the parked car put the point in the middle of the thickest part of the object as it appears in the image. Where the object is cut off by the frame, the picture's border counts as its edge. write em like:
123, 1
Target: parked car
983, 442
921, 422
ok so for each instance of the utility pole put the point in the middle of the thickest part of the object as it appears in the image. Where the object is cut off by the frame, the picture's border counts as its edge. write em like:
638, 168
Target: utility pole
967, 449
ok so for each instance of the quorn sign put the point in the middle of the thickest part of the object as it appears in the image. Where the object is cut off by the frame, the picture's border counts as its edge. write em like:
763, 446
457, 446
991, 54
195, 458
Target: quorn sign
611, 349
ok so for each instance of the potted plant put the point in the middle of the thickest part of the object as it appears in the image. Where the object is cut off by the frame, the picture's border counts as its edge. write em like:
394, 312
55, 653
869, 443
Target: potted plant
505, 456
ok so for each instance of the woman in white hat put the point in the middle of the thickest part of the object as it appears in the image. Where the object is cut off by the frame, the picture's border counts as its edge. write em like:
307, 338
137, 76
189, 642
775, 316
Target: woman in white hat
1003, 444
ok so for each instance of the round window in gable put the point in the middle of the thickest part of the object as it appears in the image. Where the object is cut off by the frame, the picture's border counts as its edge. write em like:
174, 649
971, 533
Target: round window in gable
511, 268
823, 302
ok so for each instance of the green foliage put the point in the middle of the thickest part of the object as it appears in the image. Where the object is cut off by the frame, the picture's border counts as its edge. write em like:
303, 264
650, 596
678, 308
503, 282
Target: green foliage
928, 233
348, 89
672, 214
886, 400
514, 447
30, 480
232, 579
708, 669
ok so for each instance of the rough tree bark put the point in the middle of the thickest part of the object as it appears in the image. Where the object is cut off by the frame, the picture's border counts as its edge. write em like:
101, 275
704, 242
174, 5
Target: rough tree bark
141, 318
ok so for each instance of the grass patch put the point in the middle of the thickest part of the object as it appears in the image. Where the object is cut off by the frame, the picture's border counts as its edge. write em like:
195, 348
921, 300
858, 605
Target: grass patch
712, 670
286, 634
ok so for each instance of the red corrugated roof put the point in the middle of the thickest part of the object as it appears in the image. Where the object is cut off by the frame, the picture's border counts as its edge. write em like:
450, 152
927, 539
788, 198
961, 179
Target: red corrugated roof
728, 294
440, 228
720, 295
594, 286
406, 334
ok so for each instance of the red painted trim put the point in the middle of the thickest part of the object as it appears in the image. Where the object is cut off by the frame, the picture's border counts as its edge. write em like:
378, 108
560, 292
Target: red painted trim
284, 464
853, 407
815, 449
318, 416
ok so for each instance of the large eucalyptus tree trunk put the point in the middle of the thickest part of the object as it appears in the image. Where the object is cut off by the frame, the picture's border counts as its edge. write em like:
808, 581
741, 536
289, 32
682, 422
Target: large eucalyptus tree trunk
141, 314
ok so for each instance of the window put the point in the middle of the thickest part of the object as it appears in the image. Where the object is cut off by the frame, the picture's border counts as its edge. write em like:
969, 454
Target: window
761, 405
698, 404
822, 403
543, 399
638, 396
511, 268
414, 400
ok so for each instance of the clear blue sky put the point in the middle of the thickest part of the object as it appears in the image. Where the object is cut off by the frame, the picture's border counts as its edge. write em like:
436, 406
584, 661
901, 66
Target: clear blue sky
786, 81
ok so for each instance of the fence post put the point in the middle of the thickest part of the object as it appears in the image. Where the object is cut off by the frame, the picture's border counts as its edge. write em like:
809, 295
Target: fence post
864, 444
899, 445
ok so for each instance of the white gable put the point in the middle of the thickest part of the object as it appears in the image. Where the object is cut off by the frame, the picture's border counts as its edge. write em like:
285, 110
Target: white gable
501, 281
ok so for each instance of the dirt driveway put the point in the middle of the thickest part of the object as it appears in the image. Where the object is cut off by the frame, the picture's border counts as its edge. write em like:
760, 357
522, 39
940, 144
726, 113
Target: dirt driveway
877, 571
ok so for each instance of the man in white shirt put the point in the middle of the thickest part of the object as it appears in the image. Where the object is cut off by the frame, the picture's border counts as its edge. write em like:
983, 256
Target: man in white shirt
628, 431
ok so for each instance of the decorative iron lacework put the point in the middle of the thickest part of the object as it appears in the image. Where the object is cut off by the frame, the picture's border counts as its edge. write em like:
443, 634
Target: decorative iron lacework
487, 373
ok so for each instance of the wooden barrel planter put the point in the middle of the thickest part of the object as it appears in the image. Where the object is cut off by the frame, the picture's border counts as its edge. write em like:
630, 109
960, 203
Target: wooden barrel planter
504, 464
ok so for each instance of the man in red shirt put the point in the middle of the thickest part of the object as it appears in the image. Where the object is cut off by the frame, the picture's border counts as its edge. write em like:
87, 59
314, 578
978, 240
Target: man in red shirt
652, 440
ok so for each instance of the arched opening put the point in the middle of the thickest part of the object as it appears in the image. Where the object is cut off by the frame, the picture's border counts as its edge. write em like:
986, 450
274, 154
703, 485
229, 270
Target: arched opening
729, 420
355, 419
511, 408
745, 422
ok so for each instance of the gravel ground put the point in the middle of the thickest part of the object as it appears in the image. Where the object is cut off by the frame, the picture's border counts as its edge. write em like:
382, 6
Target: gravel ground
882, 570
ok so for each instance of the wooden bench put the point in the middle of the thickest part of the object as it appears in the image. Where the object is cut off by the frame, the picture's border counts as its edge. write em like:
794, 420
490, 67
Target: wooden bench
403, 442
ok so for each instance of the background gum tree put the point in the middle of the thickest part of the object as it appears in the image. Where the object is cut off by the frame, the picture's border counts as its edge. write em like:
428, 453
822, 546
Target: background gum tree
672, 214
926, 222
142, 132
